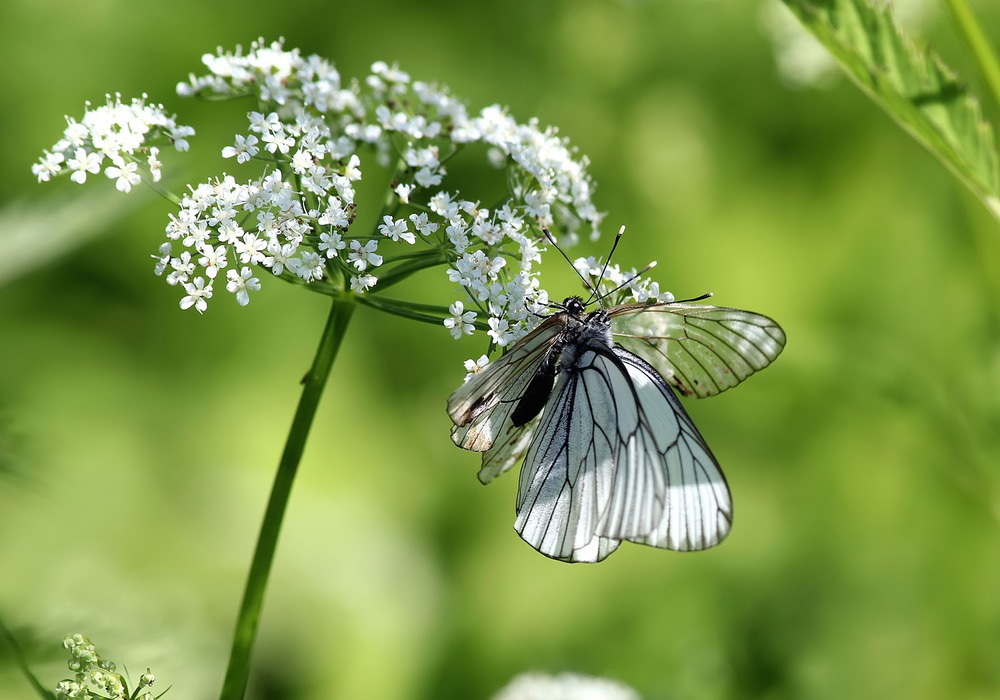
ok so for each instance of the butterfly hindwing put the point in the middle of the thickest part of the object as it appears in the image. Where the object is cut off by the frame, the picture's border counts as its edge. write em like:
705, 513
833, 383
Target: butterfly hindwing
617, 458
565, 481
699, 350
693, 507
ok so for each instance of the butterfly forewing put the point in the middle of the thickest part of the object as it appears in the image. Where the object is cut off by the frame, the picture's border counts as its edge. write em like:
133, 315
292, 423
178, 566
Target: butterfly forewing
481, 407
700, 350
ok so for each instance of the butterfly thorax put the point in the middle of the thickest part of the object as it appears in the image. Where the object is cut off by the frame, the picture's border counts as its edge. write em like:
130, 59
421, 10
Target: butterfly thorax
592, 330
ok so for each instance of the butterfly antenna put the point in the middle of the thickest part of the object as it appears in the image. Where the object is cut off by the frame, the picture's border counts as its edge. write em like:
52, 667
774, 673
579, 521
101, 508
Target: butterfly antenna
629, 281
593, 294
702, 297
552, 240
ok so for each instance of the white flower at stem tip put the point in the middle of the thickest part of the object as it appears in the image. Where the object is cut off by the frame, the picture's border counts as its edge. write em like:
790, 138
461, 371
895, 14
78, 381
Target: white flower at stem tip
351, 171
125, 174
362, 283
241, 284
213, 259
474, 367
500, 331
396, 230
154, 164
82, 163
424, 226
361, 256
331, 244
461, 321
245, 148
49, 165
197, 294
308, 266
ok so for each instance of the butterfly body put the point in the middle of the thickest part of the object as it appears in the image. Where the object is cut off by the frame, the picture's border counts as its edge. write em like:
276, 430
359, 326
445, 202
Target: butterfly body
579, 332
609, 452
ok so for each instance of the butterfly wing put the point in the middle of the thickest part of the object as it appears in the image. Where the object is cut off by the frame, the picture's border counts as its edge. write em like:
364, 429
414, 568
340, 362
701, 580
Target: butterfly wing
481, 408
699, 350
667, 464
615, 457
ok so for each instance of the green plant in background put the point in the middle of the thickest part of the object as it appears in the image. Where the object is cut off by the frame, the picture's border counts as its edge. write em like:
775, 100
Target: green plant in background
913, 86
97, 678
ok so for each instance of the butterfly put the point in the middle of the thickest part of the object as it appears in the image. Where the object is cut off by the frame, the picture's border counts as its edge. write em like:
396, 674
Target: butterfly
610, 455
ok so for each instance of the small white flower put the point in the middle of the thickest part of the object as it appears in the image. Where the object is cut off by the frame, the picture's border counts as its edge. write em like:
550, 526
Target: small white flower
396, 230
302, 162
362, 283
331, 243
49, 165
473, 367
241, 284
163, 259
308, 266
351, 171
427, 177
245, 148
461, 321
154, 164
182, 268
125, 174
361, 256
500, 332
423, 225
213, 259
279, 254
250, 248
82, 163
568, 686
403, 192
197, 294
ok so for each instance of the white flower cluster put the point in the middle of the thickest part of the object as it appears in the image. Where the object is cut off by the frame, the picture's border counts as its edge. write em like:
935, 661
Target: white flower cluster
117, 133
96, 677
312, 136
318, 134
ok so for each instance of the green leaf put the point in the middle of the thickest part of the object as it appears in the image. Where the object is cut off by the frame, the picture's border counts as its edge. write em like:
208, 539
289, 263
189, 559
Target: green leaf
912, 85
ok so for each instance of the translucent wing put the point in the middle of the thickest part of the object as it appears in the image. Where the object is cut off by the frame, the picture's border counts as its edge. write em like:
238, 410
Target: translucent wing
699, 350
616, 458
695, 507
481, 407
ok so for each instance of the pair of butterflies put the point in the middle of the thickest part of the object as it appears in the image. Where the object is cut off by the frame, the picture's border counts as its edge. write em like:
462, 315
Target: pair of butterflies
609, 452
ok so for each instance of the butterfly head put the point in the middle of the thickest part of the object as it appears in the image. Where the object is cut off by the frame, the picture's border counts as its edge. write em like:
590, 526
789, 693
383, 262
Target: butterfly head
574, 306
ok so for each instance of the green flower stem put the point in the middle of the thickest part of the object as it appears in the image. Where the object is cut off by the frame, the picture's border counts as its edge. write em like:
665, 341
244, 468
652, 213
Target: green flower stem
400, 272
978, 46
237, 673
414, 312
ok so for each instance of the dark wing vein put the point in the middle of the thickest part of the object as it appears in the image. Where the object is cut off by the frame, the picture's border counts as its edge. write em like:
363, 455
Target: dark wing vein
700, 350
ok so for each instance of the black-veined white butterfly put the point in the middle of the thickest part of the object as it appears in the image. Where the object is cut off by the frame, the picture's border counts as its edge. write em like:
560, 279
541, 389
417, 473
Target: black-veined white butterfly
609, 452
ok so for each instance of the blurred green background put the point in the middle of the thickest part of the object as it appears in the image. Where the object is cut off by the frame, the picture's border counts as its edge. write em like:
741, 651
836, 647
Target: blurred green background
137, 442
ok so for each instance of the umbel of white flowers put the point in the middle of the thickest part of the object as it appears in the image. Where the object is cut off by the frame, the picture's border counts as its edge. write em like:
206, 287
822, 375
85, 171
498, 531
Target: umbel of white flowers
309, 140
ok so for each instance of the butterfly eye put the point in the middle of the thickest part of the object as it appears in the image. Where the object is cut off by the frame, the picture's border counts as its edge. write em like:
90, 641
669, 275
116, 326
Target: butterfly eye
574, 306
